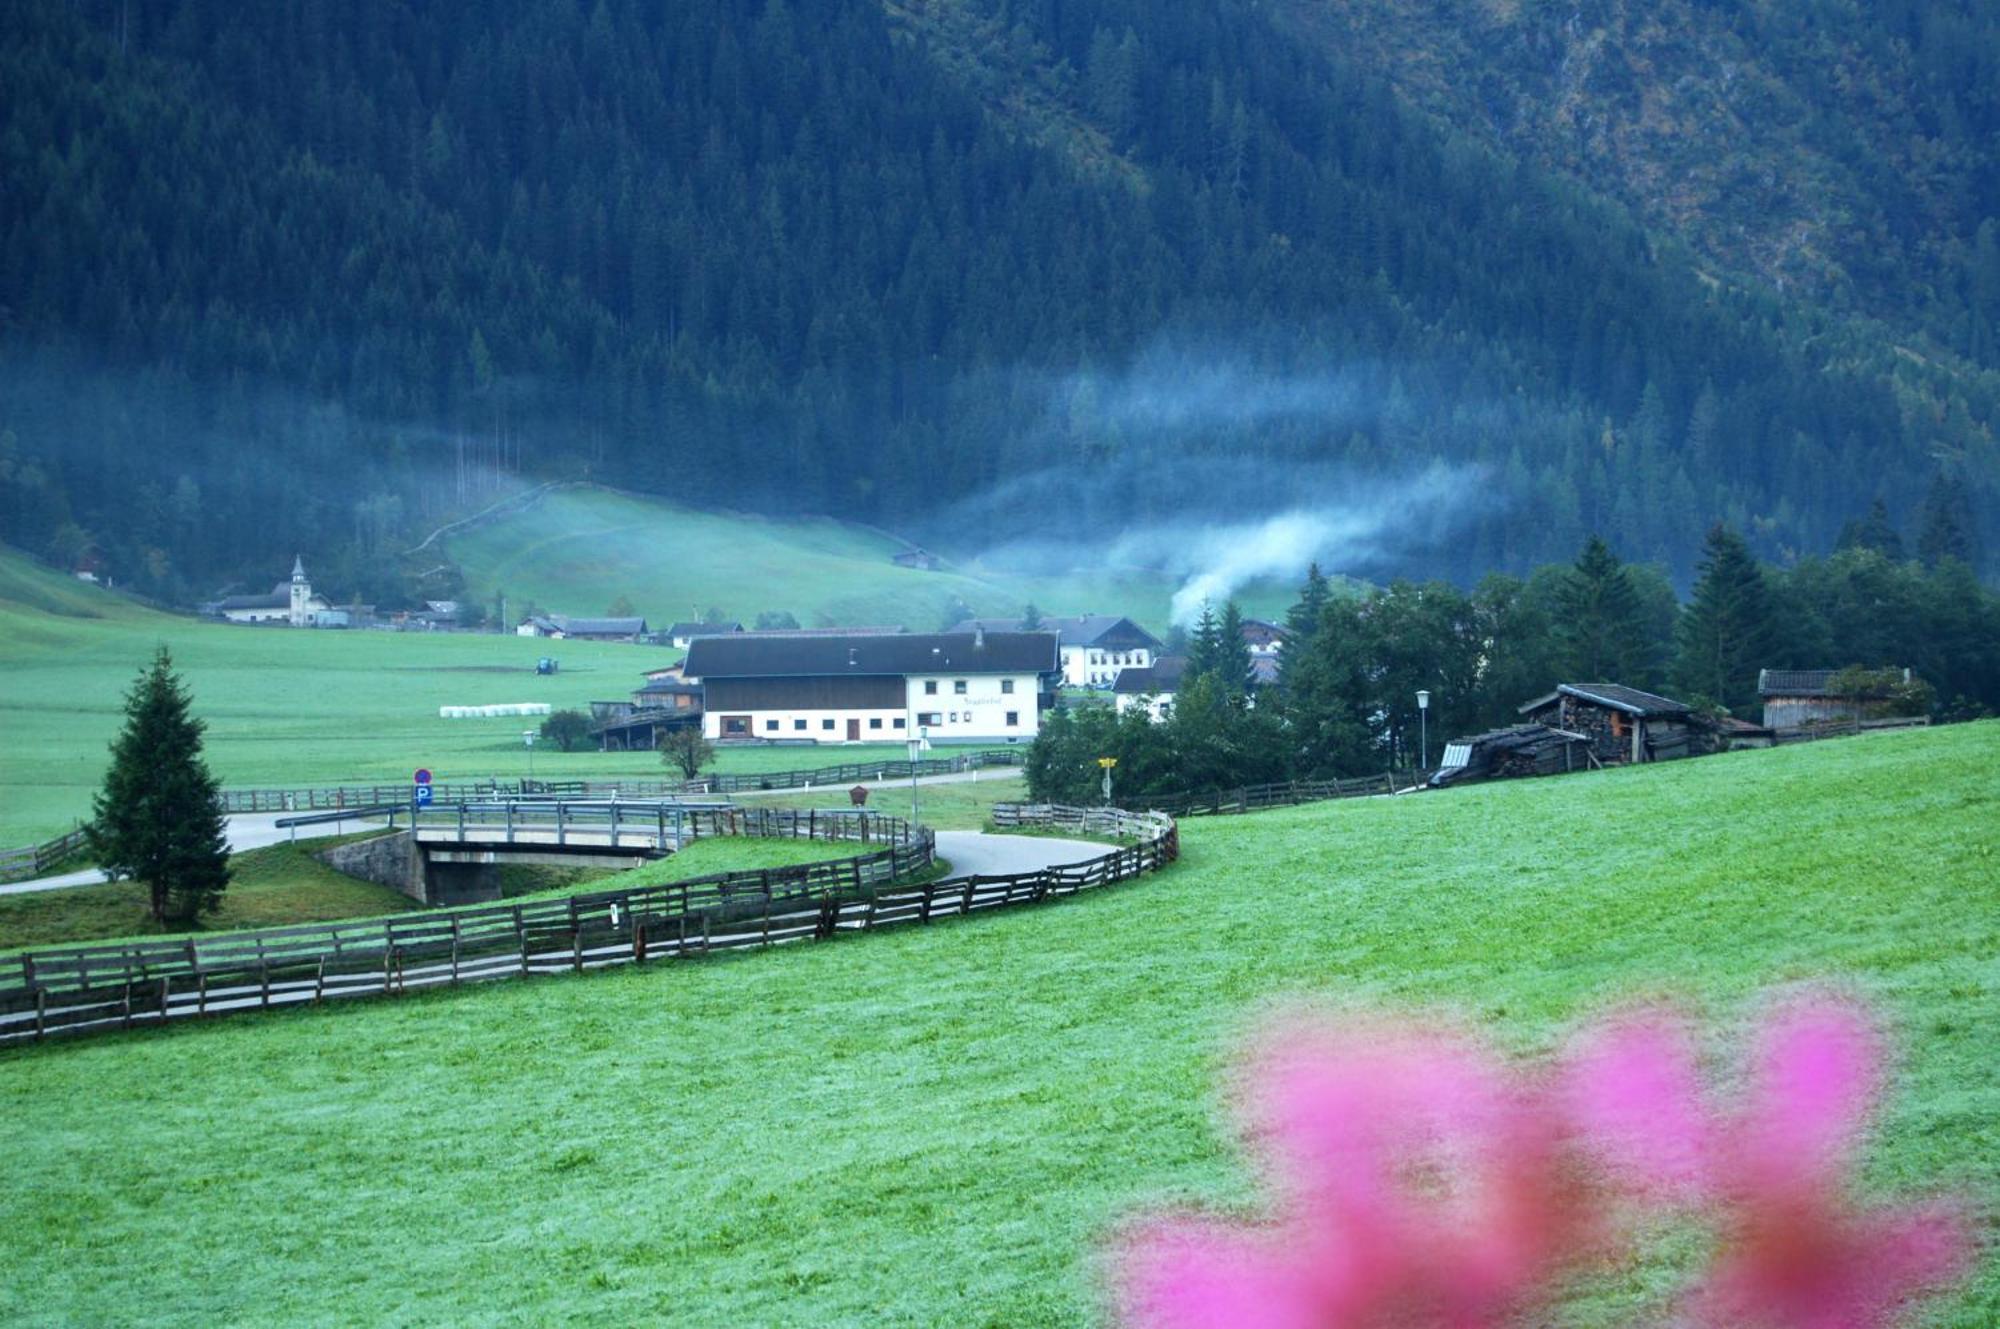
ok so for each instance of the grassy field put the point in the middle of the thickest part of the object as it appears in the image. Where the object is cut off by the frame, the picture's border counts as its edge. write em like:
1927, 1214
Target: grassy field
289, 707
578, 550
934, 1126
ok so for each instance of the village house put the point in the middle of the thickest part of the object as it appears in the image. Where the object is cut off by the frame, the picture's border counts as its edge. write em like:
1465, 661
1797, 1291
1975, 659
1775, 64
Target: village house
949, 687
561, 627
1094, 647
922, 560
682, 635
1795, 698
290, 604
1150, 686
1623, 724
1264, 638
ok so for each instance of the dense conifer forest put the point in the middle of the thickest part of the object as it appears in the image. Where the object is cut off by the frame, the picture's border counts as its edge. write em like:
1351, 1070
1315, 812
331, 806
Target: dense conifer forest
320, 274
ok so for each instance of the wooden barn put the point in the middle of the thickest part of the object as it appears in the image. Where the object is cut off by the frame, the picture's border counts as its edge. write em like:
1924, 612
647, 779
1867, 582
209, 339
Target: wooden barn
1623, 724
1794, 698
1510, 753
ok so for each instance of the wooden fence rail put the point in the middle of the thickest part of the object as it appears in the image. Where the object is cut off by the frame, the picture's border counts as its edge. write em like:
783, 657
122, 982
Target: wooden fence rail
82, 989
1255, 798
327, 798
35, 859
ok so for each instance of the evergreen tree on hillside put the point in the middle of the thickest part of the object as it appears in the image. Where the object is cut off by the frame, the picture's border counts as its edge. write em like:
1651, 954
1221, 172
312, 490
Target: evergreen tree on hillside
1947, 529
1233, 672
1874, 532
1600, 622
159, 817
1302, 619
1727, 633
1204, 647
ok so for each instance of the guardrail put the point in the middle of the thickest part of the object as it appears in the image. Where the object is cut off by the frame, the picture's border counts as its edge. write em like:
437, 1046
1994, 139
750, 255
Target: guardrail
35, 859
81, 989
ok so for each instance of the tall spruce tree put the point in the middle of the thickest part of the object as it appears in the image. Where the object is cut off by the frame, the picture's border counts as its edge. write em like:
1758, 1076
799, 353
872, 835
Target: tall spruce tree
1874, 532
159, 817
1600, 624
1727, 633
1947, 529
1233, 669
1302, 619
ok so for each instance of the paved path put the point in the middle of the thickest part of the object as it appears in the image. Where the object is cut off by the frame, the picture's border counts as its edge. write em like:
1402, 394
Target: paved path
978, 853
248, 830
892, 782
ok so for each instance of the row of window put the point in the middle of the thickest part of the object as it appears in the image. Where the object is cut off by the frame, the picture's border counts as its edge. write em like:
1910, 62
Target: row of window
958, 687
956, 717
1118, 657
732, 725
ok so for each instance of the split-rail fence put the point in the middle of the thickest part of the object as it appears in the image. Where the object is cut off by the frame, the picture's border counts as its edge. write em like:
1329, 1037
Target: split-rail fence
81, 989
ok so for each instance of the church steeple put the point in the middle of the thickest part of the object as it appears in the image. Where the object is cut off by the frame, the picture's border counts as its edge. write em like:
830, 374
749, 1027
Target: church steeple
302, 590
298, 567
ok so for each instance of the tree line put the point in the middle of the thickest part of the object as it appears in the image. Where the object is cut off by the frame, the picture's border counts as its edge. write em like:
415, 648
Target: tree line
319, 275
1346, 703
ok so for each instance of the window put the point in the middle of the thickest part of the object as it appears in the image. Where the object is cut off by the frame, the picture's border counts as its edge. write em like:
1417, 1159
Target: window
770, 724
798, 724
958, 687
930, 687
826, 724
735, 724
897, 723
875, 723
930, 717
1013, 719
1007, 686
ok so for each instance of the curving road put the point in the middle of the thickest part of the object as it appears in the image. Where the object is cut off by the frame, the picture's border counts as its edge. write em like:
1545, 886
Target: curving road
248, 830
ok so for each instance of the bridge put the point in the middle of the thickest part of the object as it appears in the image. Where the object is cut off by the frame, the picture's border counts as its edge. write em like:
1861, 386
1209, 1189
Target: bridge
451, 853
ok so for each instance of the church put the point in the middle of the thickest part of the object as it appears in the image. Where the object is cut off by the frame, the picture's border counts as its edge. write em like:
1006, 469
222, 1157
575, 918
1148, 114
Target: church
290, 604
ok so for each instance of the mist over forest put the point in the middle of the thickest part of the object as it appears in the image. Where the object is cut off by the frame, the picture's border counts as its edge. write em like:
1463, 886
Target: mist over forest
1187, 285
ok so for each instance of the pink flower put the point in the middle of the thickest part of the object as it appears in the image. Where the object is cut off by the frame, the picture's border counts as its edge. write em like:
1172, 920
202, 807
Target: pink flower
1417, 1181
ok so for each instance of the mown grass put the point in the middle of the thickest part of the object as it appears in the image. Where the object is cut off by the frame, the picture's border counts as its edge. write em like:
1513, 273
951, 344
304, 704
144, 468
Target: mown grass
291, 708
270, 887
578, 550
936, 1125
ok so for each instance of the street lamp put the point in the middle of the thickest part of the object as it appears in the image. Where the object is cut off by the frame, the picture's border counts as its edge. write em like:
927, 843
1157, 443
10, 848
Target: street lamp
1107, 763
1423, 728
528, 742
917, 740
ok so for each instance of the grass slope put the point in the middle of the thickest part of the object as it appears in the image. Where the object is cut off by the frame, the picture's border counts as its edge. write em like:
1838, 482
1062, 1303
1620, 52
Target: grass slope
289, 707
934, 1126
578, 550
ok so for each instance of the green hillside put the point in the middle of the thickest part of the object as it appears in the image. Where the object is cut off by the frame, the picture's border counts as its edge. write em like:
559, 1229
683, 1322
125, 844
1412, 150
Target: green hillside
935, 1126
577, 550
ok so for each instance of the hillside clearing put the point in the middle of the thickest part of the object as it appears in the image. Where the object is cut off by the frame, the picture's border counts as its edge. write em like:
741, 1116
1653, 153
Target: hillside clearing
934, 1126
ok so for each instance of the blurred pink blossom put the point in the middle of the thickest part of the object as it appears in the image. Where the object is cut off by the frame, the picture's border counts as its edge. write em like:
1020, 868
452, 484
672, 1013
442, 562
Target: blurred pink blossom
1417, 1180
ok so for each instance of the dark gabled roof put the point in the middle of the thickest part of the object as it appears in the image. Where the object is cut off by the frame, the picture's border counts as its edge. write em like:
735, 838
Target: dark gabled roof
1155, 680
1800, 683
1266, 627
880, 631
1614, 695
1106, 630
601, 627
278, 599
666, 687
745, 655
702, 629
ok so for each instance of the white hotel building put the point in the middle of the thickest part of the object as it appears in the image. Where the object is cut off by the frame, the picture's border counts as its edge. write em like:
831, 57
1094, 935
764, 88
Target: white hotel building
979, 687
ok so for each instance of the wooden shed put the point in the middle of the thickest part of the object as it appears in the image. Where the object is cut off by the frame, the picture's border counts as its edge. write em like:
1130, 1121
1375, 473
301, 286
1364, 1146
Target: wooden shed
1623, 724
1518, 750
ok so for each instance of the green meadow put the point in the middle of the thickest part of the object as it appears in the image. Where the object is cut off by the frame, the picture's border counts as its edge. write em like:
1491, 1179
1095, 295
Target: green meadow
286, 708
578, 550
938, 1125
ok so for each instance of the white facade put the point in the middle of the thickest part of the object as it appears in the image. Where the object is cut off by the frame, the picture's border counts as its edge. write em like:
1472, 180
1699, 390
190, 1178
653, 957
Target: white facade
1095, 667
1157, 707
945, 708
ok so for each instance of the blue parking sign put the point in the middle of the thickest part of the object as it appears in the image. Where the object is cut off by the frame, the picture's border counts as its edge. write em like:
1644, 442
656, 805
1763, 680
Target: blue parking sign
423, 795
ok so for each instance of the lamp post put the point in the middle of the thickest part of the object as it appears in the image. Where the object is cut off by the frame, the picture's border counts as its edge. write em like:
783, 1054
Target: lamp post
1107, 763
917, 740
528, 742
1423, 729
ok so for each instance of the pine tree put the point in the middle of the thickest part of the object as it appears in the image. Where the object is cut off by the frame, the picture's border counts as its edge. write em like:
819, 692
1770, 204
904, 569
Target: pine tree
159, 818
1302, 619
1031, 618
1232, 656
1600, 622
1204, 650
1874, 532
1947, 529
1727, 633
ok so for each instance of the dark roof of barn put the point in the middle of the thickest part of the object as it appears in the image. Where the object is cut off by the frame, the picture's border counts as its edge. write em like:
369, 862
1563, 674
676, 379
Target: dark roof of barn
1614, 695
667, 687
601, 627
1107, 630
748, 656
1156, 679
1796, 682
280, 598
702, 629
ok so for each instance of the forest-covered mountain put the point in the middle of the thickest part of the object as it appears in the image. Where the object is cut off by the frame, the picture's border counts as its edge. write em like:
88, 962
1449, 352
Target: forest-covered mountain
315, 275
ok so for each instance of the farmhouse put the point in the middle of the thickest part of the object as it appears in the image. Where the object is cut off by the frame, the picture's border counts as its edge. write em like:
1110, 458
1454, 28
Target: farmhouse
682, 635
1150, 686
290, 604
952, 687
1797, 697
1095, 647
1518, 750
561, 627
1622, 724
1265, 639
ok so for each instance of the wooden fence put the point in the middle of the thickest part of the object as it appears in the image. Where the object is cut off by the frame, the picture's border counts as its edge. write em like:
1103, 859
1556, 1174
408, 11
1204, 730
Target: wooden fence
35, 859
1846, 728
327, 798
1255, 798
80, 989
